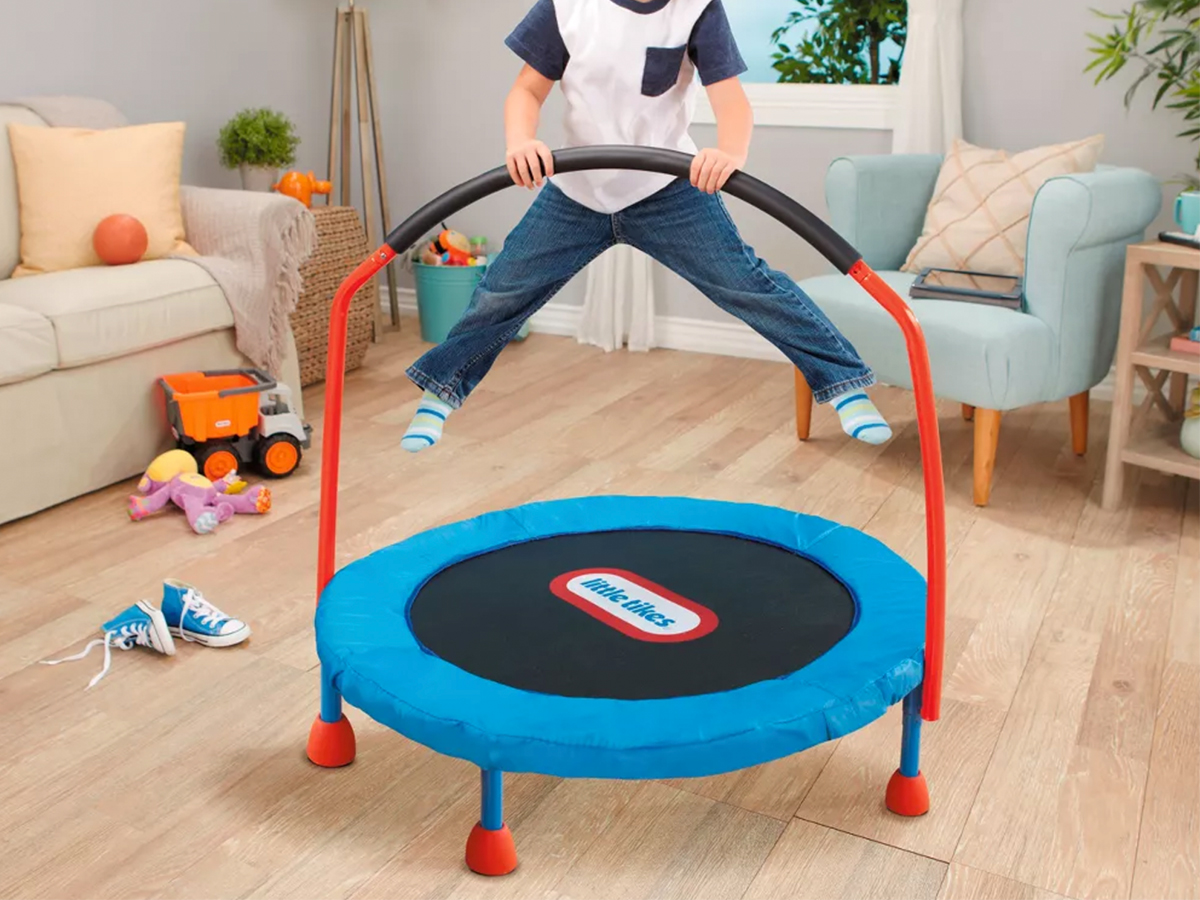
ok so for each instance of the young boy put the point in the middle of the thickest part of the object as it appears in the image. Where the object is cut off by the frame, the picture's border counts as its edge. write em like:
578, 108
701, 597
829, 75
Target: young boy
627, 70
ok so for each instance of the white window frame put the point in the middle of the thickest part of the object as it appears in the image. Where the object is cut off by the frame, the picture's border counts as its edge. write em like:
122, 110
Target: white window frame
863, 106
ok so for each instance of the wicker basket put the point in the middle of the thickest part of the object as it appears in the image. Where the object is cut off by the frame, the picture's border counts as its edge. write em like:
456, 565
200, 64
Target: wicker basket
341, 246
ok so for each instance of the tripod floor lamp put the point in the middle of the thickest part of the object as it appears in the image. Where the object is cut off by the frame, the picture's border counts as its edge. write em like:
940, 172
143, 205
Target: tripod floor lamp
354, 73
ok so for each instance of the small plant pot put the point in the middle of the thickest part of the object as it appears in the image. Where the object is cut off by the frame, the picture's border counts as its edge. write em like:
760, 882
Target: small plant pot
443, 295
258, 178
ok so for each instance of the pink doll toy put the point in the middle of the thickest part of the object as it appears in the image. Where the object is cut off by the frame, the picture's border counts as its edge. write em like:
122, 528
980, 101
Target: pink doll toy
174, 477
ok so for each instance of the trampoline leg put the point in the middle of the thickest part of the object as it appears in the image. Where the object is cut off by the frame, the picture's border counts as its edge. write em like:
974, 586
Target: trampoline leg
907, 792
331, 739
490, 848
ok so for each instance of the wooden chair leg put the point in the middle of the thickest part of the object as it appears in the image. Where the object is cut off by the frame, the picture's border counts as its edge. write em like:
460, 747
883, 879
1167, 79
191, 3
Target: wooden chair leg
968, 412
987, 435
1079, 423
804, 402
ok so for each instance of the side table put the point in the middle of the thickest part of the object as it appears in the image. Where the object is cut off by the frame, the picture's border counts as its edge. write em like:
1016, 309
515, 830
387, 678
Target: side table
1138, 437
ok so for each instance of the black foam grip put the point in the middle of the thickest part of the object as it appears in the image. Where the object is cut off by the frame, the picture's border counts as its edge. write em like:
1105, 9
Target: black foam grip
745, 187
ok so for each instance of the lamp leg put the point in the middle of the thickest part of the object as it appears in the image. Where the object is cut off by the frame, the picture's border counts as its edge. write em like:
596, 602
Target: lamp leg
335, 112
380, 167
347, 51
358, 24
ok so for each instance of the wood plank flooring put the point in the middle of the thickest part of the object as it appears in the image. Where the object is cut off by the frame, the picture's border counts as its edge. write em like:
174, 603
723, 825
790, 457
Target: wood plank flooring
1065, 764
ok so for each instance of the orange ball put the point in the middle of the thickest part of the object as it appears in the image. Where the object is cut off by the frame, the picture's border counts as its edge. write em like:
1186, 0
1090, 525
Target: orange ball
120, 240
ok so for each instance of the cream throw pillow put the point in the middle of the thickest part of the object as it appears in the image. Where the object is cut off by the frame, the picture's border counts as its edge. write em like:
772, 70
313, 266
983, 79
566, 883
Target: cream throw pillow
979, 214
68, 179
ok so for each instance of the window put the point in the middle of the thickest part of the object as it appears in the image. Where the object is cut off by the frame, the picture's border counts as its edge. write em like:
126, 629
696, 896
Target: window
819, 63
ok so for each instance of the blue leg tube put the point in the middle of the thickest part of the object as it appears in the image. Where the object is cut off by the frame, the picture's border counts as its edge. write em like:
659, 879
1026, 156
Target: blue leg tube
910, 742
491, 785
331, 700
907, 792
331, 738
490, 848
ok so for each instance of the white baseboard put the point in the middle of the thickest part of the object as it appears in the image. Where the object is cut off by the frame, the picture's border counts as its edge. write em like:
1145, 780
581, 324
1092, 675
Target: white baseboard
697, 336
670, 332
1104, 390
673, 333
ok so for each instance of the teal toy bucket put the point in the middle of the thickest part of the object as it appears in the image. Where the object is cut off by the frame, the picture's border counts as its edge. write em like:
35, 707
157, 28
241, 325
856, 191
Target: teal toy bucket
443, 295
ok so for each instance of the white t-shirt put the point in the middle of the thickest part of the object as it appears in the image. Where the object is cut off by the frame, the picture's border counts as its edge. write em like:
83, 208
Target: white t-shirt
627, 70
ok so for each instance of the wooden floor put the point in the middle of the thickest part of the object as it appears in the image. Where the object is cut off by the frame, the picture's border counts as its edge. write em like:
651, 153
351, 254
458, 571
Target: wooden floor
1065, 763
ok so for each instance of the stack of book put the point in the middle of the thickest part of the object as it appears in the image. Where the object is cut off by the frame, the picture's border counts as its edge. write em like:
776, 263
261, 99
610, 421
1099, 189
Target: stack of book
1187, 343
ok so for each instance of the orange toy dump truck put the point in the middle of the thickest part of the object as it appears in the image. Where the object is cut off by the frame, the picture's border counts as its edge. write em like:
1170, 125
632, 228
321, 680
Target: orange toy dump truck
230, 417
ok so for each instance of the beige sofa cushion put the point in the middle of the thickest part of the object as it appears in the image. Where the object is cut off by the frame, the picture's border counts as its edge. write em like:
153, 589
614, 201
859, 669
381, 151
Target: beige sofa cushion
70, 179
10, 219
27, 347
102, 312
978, 218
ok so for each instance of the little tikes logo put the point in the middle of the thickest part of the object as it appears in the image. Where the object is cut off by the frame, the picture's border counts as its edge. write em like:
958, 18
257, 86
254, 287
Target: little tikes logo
634, 605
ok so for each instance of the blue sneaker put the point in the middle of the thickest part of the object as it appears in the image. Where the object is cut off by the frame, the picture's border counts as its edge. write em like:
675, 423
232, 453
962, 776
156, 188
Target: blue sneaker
139, 626
193, 618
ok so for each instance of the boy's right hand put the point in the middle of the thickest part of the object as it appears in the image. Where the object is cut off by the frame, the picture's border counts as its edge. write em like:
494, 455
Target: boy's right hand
526, 162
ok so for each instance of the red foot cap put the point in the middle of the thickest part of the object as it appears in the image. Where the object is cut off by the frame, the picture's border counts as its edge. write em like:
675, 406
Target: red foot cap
331, 744
491, 852
908, 796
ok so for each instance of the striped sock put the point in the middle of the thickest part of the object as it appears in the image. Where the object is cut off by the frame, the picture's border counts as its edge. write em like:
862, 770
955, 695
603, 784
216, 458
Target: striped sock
860, 418
425, 430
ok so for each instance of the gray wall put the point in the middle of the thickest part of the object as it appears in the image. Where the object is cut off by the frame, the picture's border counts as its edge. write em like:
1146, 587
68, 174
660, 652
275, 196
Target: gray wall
199, 61
1024, 86
444, 72
431, 50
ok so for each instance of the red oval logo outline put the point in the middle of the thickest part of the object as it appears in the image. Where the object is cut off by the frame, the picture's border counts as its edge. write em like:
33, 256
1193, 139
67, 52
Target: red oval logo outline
590, 603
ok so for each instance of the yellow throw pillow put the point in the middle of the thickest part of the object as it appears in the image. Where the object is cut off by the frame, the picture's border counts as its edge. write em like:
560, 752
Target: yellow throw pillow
979, 214
69, 179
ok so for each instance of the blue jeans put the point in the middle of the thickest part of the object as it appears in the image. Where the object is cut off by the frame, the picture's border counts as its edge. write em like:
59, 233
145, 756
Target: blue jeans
689, 232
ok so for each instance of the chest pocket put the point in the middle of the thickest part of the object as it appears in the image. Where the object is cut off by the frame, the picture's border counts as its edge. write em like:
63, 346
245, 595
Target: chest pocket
662, 69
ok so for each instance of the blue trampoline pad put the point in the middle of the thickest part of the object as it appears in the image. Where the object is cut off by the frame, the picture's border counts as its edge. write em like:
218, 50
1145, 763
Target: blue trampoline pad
626, 637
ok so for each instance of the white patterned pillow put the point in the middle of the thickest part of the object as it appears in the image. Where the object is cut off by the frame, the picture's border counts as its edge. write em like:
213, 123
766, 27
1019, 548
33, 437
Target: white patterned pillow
979, 214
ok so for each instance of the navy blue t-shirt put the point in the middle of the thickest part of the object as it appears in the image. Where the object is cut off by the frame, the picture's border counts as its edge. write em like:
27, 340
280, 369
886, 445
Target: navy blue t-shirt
712, 47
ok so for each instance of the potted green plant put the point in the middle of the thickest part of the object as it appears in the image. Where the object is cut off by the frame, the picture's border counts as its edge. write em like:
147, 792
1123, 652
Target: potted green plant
1163, 38
258, 142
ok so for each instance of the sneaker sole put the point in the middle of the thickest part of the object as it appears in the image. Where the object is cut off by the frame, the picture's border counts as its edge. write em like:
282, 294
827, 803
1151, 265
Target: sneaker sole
213, 640
160, 634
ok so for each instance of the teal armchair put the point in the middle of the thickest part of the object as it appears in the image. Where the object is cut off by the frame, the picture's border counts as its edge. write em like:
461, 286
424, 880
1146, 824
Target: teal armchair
989, 359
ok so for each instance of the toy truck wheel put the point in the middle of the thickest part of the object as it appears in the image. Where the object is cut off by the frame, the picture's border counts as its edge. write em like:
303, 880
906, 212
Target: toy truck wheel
278, 455
216, 460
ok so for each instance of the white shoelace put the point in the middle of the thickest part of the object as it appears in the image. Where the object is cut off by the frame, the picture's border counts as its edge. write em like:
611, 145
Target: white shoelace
201, 609
125, 637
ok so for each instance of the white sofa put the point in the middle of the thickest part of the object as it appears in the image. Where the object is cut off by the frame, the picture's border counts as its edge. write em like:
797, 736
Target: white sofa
80, 352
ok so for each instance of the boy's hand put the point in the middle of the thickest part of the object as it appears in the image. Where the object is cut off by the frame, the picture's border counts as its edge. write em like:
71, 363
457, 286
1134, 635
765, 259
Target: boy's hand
526, 160
712, 167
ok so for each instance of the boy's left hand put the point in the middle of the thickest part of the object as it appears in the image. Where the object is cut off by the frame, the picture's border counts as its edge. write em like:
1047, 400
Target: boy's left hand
712, 167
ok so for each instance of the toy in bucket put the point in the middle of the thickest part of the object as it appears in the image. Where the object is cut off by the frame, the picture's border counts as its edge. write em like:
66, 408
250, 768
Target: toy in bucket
452, 248
229, 417
447, 270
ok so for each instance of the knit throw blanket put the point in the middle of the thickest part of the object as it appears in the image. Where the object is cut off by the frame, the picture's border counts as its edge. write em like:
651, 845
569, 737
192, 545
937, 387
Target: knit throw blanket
252, 244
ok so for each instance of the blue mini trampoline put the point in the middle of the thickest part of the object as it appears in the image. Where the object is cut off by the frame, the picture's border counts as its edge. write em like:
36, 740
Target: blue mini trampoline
629, 637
